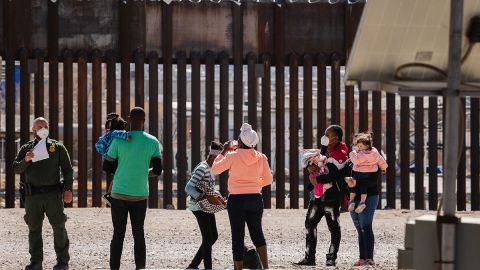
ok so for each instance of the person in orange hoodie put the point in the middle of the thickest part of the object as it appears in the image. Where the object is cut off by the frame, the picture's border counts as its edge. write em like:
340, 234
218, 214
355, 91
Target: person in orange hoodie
249, 172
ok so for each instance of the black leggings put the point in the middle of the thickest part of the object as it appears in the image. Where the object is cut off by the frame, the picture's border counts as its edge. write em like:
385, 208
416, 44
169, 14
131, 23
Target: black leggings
245, 208
208, 228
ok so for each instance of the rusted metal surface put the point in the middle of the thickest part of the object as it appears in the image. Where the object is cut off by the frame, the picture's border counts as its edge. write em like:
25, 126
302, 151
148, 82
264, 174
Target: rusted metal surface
404, 153
266, 123
181, 157
209, 98
363, 111
67, 56
111, 81
39, 84
391, 146
53, 55
474, 152
167, 33
307, 119
419, 154
377, 133
335, 89
24, 102
433, 153
252, 90
153, 120
195, 159
293, 168
321, 96
279, 174
139, 58
237, 48
224, 113
82, 129
96, 127
461, 171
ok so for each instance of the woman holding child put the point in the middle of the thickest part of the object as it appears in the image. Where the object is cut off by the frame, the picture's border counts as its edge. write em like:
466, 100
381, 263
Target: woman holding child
367, 163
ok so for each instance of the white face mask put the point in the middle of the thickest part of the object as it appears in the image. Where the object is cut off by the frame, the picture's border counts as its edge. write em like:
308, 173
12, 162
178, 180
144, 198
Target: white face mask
42, 133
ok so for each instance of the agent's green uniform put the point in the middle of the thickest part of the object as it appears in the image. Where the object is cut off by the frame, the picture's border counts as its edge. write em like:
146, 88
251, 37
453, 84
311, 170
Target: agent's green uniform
42, 177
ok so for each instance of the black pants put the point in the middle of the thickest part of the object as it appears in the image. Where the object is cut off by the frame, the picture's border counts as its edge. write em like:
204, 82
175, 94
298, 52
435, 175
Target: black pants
317, 210
208, 228
245, 208
120, 210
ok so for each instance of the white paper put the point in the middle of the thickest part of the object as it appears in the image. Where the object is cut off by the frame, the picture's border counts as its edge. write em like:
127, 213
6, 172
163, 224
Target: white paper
40, 151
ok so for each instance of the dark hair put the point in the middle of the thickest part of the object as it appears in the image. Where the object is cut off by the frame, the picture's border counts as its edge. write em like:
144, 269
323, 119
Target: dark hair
137, 113
216, 145
365, 138
115, 122
338, 130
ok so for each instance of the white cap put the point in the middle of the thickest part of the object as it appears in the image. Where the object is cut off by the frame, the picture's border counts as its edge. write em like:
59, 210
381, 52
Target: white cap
324, 140
248, 136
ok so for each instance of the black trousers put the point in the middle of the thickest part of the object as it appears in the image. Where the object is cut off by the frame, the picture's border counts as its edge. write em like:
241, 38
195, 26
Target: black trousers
317, 210
120, 210
245, 208
208, 229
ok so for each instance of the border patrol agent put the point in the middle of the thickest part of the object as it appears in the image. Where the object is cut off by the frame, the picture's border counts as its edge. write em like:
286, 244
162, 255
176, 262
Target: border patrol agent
42, 191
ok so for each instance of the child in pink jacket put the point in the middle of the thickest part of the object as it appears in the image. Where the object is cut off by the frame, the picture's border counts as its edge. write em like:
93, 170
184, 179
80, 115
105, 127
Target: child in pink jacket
366, 160
316, 164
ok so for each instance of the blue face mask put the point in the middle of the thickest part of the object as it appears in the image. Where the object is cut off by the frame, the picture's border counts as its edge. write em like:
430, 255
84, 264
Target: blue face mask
354, 148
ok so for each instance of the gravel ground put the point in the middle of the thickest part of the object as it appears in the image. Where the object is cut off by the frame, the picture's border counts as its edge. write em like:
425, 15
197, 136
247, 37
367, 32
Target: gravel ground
173, 237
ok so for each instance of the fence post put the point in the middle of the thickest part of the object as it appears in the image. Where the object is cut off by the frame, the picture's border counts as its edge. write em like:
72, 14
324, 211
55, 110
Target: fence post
181, 157
96, 127
293, 130
266, 123
82, 129
405, 152
419, 154
224, 113
153, 120
307, 119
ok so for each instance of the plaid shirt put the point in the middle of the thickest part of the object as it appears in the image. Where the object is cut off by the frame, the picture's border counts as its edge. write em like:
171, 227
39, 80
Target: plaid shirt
104, 142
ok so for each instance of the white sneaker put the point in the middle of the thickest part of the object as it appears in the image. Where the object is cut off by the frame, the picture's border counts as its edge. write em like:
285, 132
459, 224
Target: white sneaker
361, 206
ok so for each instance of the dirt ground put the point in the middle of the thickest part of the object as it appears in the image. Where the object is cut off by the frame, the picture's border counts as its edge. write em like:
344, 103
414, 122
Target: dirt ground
173, 236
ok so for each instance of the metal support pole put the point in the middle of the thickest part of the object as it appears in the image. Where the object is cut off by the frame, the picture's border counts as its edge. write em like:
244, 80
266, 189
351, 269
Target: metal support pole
452, 127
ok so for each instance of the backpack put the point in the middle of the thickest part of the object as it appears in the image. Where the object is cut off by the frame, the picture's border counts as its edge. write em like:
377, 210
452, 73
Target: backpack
251, 259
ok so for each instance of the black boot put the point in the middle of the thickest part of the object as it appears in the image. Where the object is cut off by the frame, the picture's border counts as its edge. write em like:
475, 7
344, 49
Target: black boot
61, 266
306, 261
34, 266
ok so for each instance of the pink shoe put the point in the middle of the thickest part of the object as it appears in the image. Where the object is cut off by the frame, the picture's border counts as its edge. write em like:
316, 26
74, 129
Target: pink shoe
360, 262
370, 262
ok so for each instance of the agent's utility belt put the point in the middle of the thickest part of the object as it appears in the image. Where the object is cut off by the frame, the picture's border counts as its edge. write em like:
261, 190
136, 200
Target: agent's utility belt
33, 190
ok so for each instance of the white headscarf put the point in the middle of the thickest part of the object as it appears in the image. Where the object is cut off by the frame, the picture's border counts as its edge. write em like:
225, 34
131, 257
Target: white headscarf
248, 136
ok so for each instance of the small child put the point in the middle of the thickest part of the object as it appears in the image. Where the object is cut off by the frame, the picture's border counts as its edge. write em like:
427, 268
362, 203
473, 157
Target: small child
366, 160
114, 128
316, 164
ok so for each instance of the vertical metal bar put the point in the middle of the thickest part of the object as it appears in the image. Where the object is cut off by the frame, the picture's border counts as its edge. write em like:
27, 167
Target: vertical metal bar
39, 84
53, 54
307, 119
405, 152
195, 57
82, 129
181, 157
167, 54
377, 133
111, 81
24, 103
419, 154
139, 58
153, 120
461, 173
474, 152
279, 39
224, 112
266, 123
432, 153
252, 90
68, 101
111, 92
349, 113
391, 149
293, 131
321, 96
237, 48
10, 154
125, 88
363, 111
335, 88
209, 98
96, 127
